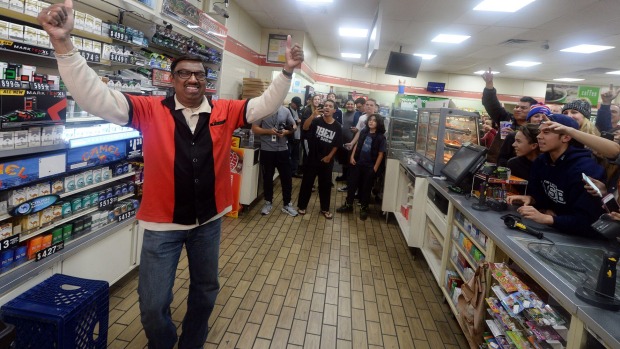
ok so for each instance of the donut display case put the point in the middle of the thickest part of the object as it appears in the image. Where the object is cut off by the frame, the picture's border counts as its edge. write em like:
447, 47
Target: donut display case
440, 133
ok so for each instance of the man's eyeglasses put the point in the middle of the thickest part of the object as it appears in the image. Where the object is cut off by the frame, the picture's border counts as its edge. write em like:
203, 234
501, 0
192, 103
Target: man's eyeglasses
186, 74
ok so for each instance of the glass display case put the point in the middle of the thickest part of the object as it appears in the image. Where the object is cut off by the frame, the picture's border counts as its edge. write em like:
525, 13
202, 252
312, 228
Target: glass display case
401, 133
440, 133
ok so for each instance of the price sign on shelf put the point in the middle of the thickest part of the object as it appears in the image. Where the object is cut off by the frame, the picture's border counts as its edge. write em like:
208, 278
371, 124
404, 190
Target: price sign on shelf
119, 58
9, 242
118, 35
91, 56
44, 253
38, 86
108, 202
126, 216
10, 84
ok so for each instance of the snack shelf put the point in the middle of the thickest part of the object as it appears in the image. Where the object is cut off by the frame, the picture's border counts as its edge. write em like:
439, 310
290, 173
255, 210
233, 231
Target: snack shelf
467, 256
474, 240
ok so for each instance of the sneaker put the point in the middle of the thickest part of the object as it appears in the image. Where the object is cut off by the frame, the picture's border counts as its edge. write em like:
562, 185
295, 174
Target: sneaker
341, 179
298, 175
343, 189
266, 208
364, 213
290, 210
345, 208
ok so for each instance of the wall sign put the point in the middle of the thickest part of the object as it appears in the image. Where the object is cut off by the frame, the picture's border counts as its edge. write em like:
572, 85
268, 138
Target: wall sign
22, 171
98, 154
277, 48
561, 94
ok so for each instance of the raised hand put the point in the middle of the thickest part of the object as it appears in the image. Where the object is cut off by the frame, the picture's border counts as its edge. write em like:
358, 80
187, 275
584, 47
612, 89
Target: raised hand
293, 57
57, 21
610, 95
488, 78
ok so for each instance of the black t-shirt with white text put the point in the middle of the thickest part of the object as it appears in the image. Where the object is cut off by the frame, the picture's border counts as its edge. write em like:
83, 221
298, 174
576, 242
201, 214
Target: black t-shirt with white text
322, 138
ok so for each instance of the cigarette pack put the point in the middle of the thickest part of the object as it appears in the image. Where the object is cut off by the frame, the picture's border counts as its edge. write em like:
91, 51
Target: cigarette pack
16, 31
30, 35
7, 140
44, 189
16, 5
21, 139
58, 186
17, 197
34, 137
4, 29
47, 136
32, 192
6, 230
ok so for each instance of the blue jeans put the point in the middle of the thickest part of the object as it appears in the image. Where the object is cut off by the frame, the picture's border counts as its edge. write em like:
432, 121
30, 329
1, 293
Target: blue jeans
158, 264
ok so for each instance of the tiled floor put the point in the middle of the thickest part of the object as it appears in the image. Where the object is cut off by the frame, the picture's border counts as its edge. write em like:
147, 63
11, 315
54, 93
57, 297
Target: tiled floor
308, 282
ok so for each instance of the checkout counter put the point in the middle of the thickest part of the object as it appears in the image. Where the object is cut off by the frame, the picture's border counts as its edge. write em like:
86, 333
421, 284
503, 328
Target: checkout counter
436, 221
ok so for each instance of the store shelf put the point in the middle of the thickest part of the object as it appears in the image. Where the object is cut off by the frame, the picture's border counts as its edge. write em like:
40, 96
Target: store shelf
65, 220
403, 223
473, 240
458, 130
22, 17
433, 262
446, 294
33, 150
96, 185
467, 256
437, 234
457, 269
18, 274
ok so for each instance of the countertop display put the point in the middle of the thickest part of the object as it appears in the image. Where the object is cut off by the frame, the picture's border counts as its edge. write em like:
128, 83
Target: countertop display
603, 323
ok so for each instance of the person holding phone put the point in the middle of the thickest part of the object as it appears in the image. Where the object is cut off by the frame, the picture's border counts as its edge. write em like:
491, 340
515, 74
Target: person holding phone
557, 195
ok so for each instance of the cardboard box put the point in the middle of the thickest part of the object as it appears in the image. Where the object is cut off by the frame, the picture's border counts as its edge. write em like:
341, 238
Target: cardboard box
59, 131
16, 31
21, 139
34, 137
43, 39
4, 29
31, 7
47, 136
7, 141
58, 186
32, 192
16, 5
87, 45
79, 20
30, 36
17, 197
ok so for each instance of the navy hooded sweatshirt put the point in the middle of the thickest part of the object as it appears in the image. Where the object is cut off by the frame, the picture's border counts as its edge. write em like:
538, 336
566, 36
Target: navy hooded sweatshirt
558, 187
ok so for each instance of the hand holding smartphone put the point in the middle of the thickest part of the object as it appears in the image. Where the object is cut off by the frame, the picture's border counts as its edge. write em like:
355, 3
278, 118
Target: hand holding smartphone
591, 184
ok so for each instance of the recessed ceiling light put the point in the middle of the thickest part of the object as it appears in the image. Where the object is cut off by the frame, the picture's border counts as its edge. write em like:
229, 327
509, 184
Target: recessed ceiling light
615, 72
315, 1
450, 39
502, 5
350, 55
480, 72
353, 32
568, 79
587, 48
523, 64
424, 55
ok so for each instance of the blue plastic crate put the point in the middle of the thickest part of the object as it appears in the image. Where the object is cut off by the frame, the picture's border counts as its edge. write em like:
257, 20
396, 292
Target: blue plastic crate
61, 312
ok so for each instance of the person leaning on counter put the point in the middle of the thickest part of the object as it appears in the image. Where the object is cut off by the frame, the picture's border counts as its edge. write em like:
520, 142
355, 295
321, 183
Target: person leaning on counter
555, 182
187, 140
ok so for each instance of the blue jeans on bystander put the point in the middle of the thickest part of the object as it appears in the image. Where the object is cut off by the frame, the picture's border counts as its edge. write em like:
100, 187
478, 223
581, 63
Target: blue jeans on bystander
158, 263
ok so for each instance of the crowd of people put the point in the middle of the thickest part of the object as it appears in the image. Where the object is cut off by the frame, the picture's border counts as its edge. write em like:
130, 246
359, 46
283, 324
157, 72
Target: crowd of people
325, 134
554, 152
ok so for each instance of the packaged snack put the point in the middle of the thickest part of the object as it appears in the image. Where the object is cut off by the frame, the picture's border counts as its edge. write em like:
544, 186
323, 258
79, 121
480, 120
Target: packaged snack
506, 278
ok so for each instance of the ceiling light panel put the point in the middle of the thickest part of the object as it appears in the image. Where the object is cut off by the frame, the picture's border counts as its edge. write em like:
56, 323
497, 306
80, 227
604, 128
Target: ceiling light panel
317, 1
350, 55
450, 39
353, 32
502, 5
587, 48
480, 72
523, 64
615, 72
568, 79
425, 55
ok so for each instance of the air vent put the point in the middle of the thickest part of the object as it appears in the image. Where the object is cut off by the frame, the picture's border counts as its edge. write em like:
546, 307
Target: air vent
516, 42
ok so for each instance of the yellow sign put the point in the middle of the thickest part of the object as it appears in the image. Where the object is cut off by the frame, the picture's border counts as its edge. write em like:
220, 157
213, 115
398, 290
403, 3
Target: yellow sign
7, 92
6, 42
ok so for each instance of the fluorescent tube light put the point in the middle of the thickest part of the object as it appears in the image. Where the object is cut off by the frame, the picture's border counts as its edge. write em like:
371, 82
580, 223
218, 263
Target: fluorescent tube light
502, 5
615, 72
450, 39
425, 56
568, 79
353, 32
587, 48
192, 26
480, 72
82, 142
523, 64
350, 55
317, 1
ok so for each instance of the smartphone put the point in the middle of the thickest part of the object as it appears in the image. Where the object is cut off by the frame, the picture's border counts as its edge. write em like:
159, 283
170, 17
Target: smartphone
611, 205
320, 106
590, 183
